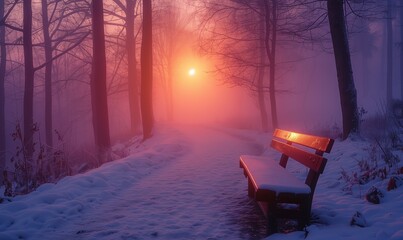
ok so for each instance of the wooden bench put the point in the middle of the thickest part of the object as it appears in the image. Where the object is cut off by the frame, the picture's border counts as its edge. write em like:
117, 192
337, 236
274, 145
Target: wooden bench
280, 193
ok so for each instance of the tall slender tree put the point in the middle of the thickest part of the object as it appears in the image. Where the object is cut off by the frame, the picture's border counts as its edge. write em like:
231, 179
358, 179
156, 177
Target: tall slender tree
347, 91
127, 11
389, 55
401, 49
261, 74
146, 60
48, 75
3, 62
134, 103
60, 39
99, 97
270, 10
29, 80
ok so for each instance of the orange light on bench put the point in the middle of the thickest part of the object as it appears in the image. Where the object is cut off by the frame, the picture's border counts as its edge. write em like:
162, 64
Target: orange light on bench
289, 135
293, 135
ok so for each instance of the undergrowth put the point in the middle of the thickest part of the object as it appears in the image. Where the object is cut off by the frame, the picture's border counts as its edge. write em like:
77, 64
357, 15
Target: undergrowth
46, 165
382, 161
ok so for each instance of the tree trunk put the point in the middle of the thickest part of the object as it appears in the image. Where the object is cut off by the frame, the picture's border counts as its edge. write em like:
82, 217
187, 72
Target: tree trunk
3, 61
48, 77
389, 57
271, 31
401, 49
366, 46
261, 74
366, 79
347, 91
99, 97
147, 72
134, 100
29, 80
170, 93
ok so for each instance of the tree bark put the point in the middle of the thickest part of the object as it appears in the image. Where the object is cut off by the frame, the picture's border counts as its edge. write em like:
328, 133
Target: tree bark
170, 63
134, 99
48, 76
3, 62
29, 80
401, 49
147, 72
168, 36
98, 84
347, 91
271, 42
261, 75
389, 57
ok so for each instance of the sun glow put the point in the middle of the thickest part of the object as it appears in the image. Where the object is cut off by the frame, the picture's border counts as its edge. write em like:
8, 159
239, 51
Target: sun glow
192, 72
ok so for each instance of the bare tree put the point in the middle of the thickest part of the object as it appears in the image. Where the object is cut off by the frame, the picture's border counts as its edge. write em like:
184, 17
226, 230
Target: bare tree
147, 72
3, 62
3, 68
244, 27
48, 75
61, 39
98, 83
389, 55
271, 18
261, 75
134, 100
126, 12
347, 91
29, 80
169, 41
401, 49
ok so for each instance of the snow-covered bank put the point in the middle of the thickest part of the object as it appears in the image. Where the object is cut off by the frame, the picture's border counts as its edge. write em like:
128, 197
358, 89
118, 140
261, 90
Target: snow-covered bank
336, 200
51, 206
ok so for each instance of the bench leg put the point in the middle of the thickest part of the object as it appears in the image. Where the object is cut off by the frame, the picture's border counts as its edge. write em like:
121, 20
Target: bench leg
251, 189
305, 215
271, 217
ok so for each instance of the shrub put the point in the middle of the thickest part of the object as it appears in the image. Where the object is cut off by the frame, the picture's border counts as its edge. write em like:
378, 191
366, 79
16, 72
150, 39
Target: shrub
46, 165
373, 167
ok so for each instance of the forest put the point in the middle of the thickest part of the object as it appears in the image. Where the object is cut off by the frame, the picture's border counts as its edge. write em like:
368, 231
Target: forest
79, 76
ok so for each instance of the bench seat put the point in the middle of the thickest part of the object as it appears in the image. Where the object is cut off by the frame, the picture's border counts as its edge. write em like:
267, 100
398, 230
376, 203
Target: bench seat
267, 174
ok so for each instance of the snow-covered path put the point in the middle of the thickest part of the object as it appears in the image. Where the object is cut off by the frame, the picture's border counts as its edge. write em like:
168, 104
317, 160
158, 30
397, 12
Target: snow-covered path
201, 195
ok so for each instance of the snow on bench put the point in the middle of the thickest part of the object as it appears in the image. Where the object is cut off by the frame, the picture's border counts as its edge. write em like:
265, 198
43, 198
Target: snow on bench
271, 184
269, 175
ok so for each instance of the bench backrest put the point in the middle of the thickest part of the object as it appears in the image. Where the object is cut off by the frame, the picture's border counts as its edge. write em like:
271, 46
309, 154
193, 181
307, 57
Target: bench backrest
283, 142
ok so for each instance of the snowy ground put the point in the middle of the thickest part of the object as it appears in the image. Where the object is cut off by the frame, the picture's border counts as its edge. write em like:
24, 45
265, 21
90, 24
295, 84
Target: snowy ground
187, 184
334, 208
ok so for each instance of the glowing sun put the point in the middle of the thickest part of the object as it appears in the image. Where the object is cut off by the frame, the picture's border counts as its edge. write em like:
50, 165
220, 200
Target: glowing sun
192, 72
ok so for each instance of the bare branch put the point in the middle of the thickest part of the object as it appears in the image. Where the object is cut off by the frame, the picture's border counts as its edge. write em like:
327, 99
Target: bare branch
63, 52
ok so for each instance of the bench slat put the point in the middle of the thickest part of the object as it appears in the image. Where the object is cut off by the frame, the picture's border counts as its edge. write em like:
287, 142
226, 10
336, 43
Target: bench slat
318, 143
312, 161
